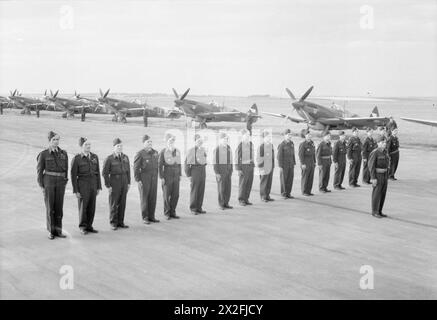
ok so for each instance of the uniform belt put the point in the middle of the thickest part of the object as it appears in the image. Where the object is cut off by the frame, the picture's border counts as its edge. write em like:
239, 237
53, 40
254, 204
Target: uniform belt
55, 174
326, 157
87, 175
380, 170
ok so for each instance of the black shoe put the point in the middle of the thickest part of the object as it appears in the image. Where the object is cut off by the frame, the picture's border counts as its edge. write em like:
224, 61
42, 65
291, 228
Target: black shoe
175, 217
61, 235
222, 208
92, 230
270, 199
376, 215
51, 236
322, 190
289, 196
366, 182
114, 228
249, 203
228, 207
123, 226
342, 188
338, 188
306, 194
356, 185
327, 190
145, 221
383, 215
243, 203
154, 220
83, 231
265, 200
194, 212
201, 211
169, 217
393, 178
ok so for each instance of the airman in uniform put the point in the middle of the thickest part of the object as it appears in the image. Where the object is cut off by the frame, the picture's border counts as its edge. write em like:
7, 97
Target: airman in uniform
354, 157
223, 171
116, 173
265, 159
52, 176
286, 162
393, 152
368, 146
391, 125
169, 168
195, 168
82, 114
244, 165
307, 157
324, 161
379, 166
146, 175
339, 159
86, 181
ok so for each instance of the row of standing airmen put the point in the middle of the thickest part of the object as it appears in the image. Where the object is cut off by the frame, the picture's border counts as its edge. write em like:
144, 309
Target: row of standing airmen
52, 173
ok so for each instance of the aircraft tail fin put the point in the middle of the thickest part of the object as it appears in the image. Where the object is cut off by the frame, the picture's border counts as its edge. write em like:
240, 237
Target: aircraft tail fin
375, 112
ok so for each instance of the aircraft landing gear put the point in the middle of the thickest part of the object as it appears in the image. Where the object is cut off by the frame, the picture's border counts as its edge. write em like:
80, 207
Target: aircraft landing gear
64, 115
123, 119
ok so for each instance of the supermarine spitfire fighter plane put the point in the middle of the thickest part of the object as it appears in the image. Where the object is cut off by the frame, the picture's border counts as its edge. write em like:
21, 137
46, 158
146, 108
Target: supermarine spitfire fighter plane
208, 112
27, 104
122, 109
70, 106
322, 118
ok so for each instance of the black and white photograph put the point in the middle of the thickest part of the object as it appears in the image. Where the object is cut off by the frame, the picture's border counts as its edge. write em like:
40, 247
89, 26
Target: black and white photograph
218, 150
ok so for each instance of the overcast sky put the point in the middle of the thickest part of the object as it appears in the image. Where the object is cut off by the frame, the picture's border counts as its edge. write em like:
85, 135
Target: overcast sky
220, 47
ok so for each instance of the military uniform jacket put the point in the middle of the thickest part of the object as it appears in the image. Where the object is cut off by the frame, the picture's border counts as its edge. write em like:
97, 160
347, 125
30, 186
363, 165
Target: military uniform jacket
244, 155
378, 159
393, 145
196, 157
286, 157
324, 153
368, 146
307, 153
49, 161
82, 167
145, 163
339, 152
354, 148
265, 157
114, 168
223, 160
169, 163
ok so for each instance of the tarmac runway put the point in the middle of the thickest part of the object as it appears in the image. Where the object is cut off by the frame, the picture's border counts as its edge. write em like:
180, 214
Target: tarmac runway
305, 248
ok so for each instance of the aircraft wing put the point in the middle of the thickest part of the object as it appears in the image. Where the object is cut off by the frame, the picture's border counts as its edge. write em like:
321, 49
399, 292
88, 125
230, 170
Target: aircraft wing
210, 114
425, 122
364, 121
281, 115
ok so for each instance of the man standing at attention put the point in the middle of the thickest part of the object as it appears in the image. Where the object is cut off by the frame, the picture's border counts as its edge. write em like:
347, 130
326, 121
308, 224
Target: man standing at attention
286, 163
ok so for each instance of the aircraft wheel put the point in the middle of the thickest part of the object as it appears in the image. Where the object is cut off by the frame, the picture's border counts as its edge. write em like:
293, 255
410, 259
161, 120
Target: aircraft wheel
64, 115
22, 111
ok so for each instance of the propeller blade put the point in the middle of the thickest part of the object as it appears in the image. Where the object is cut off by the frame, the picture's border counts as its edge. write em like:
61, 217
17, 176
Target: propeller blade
106, 93
101, 93
306, 94
45, 93
185, 94
51, 93
290, 93
15, 92
175, 93
56, 93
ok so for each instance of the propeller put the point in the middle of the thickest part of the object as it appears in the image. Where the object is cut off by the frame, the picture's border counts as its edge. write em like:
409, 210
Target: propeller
290, 93
185, 94
306, 94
